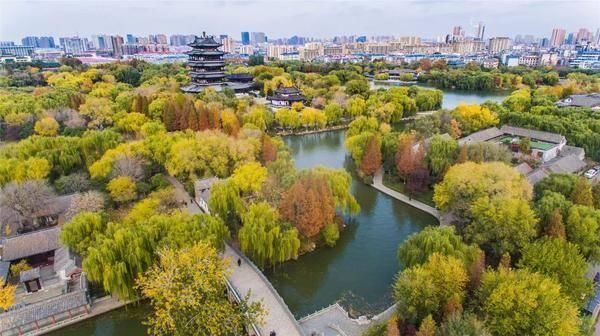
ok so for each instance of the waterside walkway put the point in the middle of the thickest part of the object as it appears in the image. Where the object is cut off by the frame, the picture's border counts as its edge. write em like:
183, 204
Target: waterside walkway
378, 184
247, 278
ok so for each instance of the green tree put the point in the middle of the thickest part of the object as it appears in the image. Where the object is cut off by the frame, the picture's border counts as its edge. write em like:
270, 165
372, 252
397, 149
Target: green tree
561, 261
463, 325
357, 87
518, 302
425, 289
225, 201
582, 193
331, 233
464, 183
441, 154
264, 238
80, 233
417, 249
333, 111
560, 183
501, 225
186, 289
583, 229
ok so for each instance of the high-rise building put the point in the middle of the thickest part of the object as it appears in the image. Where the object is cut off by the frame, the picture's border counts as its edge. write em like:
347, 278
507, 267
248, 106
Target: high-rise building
131, 39
117, 45
558, 37
245, 38
457, 33
228, 44
258, 37
7, 43
30, 41
46, 42
499, 44
570, 39
161, 39
583, 35
73, 45
480, 31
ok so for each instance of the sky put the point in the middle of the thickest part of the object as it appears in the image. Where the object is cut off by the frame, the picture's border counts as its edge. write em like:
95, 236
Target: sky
285, 18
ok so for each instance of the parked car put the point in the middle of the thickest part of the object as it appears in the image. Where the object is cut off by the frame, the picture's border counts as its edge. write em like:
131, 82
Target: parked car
591, 173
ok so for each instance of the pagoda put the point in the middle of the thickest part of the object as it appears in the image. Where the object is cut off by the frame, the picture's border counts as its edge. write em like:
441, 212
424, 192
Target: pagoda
206, 64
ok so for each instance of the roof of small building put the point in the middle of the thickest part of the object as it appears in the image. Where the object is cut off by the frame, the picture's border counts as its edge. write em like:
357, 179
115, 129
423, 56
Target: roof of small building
287, 90
532, 134
483, 135
31, 243
524, 168
565, 164
28, 275
581, 100
536, 176
42, 310
55, 206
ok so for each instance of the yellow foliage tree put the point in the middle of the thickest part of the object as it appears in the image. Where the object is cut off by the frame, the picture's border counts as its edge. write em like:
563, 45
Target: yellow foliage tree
249, 177
474, 117
122, 189
46, 126
7, 296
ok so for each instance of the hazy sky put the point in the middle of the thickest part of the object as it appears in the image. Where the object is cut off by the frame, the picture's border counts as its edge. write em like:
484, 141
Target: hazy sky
284, 18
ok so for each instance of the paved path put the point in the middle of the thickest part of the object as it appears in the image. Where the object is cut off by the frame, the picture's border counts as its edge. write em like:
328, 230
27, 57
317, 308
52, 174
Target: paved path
378, 184
247, 278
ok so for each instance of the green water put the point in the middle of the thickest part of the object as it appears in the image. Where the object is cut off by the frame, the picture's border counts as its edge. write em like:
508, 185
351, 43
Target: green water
454, 97
361, 267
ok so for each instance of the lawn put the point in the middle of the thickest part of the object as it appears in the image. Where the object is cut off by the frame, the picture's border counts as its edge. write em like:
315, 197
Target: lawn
392, 182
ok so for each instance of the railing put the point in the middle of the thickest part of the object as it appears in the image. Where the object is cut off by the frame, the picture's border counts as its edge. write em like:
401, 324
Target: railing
270, 287
238, 298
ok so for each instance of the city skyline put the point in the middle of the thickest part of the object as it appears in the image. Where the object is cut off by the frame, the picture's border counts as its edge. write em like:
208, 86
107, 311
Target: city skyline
428, 19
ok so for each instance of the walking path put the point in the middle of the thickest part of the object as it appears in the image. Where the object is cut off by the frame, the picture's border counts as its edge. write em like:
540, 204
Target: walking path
247, 278
378, 184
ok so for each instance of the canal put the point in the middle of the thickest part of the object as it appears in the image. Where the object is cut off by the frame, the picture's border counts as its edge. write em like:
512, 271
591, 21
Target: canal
454, 97
358, 271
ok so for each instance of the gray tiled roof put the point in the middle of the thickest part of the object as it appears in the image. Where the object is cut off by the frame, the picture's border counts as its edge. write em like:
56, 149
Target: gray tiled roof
29, 244
42, 310
582, 100
524, 168
536, 176
566, 164
483, 135
532, 134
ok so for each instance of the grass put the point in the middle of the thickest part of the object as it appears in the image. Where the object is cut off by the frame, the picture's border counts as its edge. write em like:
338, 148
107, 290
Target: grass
392, 182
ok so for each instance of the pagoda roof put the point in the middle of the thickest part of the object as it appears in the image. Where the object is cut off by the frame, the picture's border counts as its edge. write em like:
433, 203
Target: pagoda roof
204, 41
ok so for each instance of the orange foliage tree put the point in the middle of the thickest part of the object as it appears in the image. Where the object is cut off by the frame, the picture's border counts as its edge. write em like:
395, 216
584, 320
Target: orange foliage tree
308, 204
371, 160
269, 150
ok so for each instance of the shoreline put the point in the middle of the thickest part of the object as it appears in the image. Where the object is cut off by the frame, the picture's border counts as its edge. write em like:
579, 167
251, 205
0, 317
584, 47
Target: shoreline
306, 132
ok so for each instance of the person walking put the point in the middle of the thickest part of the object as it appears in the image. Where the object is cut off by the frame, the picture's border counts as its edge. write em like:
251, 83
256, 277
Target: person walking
239, 262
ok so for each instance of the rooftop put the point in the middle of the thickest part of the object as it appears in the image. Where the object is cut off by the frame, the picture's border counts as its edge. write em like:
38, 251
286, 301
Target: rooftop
590, 100
28, 244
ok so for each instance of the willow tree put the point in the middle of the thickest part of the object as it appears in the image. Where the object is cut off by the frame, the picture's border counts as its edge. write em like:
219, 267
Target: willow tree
417, 249
225, 201
187, 289
340, 183
126, 250
264, 238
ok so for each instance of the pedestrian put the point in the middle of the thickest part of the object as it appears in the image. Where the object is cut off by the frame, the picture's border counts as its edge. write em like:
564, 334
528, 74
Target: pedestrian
239, 262
273, 333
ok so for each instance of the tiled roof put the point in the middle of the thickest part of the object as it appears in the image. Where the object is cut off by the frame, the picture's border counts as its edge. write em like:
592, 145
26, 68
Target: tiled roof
42, 310
582, 100
566, 164
483, 135
29, 244
532, 134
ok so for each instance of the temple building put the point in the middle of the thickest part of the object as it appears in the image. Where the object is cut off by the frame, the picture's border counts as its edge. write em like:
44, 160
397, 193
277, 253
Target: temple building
206, 65
286, 96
